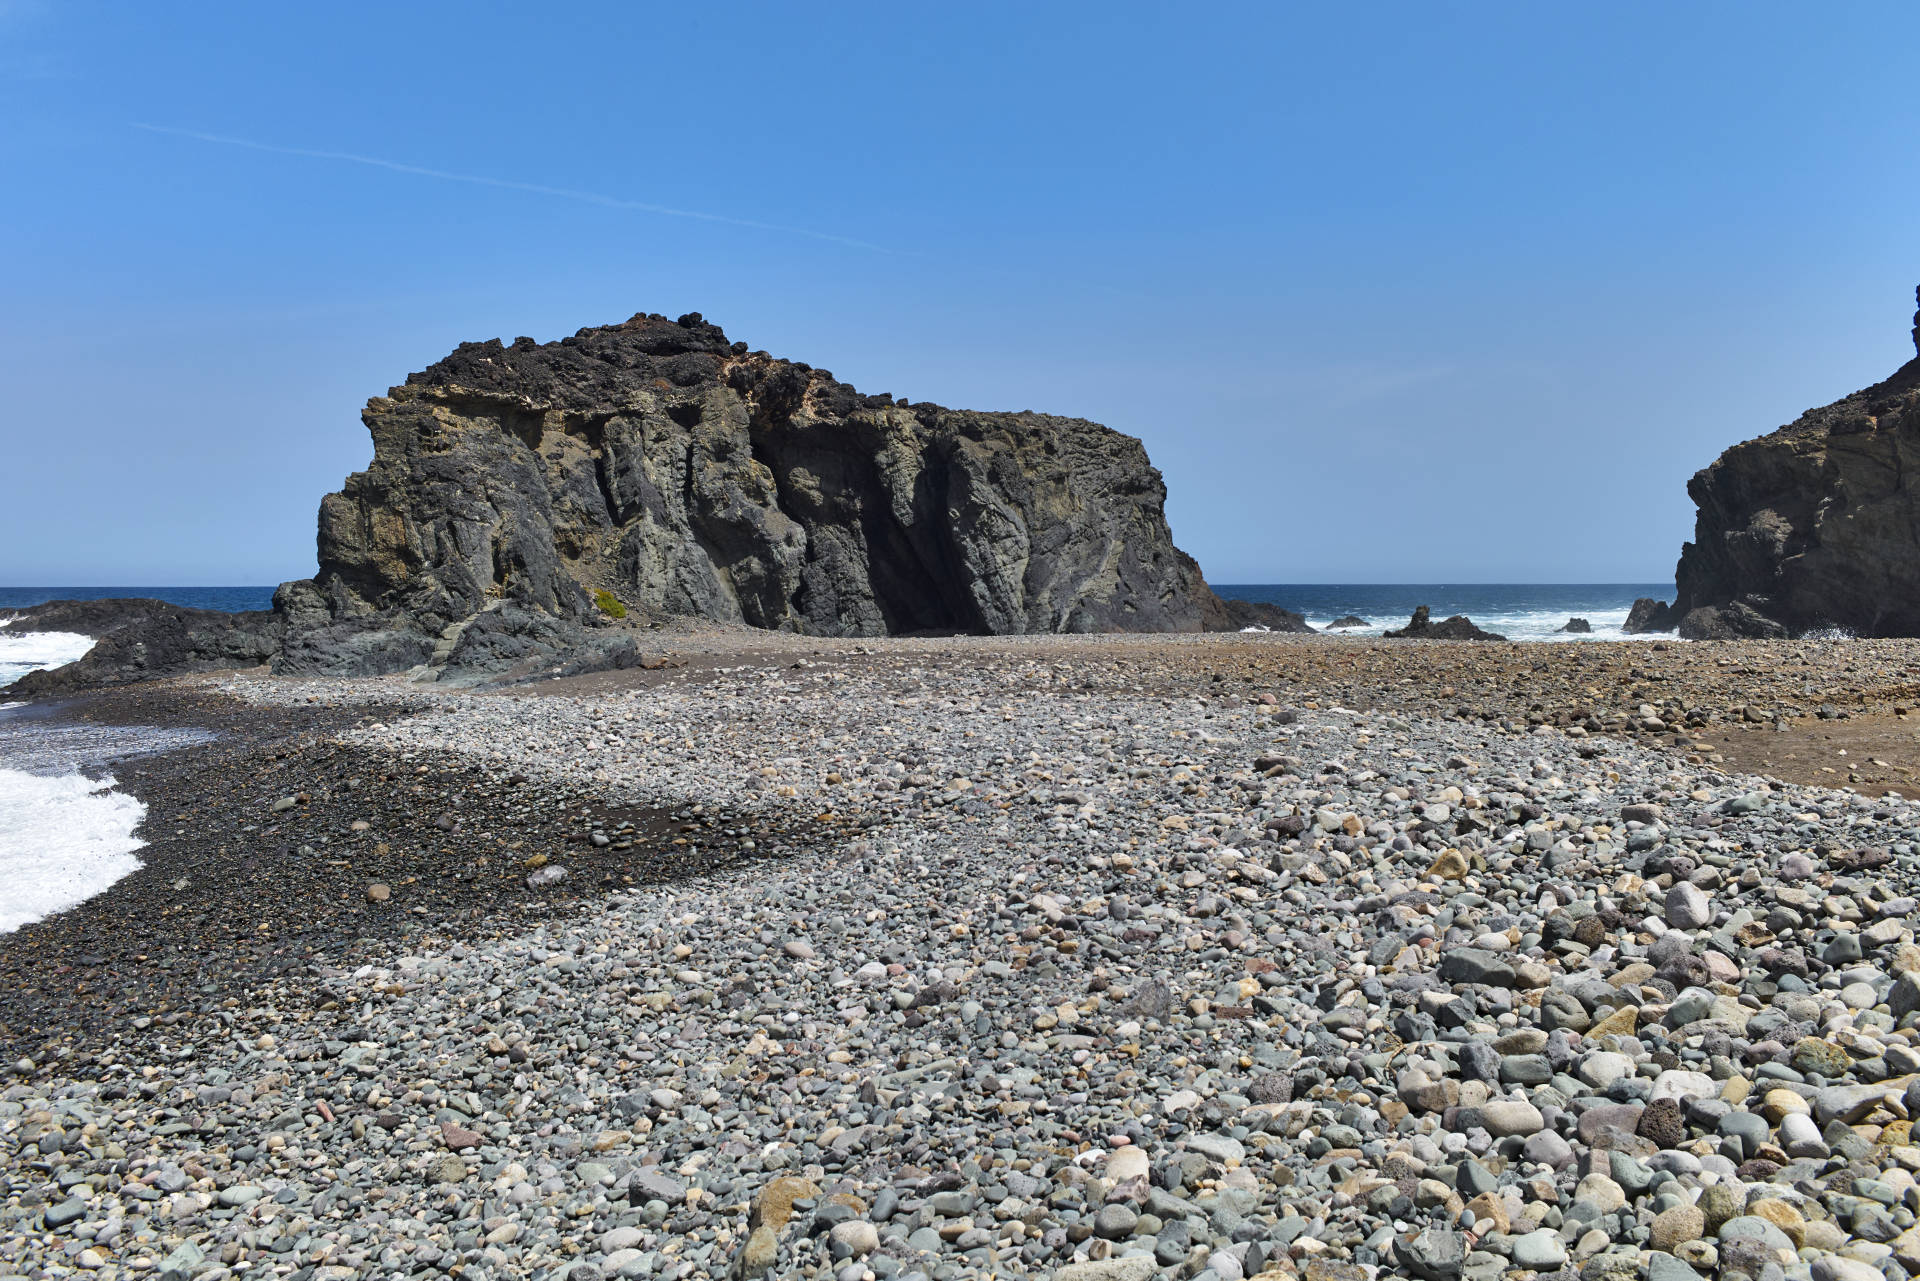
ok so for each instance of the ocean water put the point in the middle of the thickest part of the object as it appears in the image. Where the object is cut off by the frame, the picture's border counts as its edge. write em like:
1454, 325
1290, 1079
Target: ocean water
233, 600
66, 832
23, 652
1518, 611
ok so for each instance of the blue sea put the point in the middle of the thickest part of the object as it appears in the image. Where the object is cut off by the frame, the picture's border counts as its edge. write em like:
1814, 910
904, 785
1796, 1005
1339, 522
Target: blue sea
1518, 611
233, 600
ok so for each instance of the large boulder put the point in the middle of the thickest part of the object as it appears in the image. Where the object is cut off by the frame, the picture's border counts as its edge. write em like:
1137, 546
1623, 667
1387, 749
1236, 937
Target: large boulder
1244, 615
523, 497
1649, 615
1812, 526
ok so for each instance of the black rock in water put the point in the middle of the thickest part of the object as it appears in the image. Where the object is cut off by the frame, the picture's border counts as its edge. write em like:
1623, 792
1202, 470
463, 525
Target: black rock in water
1649, 615
1578, 626
1241, 614
1348, 620
1422, 627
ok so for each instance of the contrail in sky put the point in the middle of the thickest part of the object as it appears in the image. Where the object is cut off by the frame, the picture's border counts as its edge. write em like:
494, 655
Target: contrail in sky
508, 184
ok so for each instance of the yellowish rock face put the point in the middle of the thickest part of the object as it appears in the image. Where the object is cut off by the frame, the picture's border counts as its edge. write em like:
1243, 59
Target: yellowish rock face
774, 1206
1782, 1216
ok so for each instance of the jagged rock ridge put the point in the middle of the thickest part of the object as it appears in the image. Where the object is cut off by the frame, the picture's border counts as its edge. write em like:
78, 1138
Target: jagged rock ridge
136, 639
684, 474
1815, 525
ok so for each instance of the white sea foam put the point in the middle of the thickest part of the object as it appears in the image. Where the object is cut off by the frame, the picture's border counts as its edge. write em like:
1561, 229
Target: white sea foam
23, 652
63, 839
1519, 625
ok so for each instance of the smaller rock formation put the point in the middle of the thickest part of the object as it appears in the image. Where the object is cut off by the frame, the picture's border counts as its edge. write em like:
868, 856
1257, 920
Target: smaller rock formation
1239, 615
1422, 627
137, 640
1348, 620
1578, 627
1649, 615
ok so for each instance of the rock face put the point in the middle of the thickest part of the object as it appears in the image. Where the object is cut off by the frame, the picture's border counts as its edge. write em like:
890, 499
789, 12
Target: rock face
1422, 627
683, 474
1577, 626
1812, 526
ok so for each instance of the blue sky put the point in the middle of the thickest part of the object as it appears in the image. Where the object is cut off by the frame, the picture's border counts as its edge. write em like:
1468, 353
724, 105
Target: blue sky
1433, 292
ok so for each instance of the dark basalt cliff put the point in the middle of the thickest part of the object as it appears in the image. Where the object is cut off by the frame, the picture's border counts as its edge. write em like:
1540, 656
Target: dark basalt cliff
1816, 525
683, 474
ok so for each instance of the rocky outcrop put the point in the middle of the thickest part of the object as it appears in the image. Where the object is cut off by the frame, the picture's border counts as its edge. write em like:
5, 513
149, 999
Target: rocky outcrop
686, 475
139, 639
1242, 615
1814, 526
1422, 627
523, 496
1577, 627
1348, 620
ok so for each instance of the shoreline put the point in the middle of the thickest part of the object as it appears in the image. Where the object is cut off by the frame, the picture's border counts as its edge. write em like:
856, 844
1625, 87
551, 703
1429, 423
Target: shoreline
271, 894
1089, 957
223, 791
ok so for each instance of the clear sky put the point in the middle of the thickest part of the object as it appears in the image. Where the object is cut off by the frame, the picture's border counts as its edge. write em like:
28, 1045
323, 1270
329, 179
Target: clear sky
1393, 292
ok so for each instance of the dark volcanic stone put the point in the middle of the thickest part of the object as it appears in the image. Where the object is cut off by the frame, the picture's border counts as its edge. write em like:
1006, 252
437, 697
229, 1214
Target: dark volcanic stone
1242, 614
1649, 615
1422, 627
1662, 1124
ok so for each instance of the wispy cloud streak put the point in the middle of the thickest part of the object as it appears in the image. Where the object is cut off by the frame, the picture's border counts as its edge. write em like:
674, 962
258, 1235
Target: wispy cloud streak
509, 184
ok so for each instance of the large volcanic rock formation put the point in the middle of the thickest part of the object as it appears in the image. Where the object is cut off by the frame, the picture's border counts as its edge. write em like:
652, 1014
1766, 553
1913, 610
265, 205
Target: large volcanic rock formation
137, 639
1813, 526
683, 474
520, 496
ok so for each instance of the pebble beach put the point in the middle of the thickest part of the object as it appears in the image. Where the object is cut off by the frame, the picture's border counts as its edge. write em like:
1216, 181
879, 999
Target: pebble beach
1082, 957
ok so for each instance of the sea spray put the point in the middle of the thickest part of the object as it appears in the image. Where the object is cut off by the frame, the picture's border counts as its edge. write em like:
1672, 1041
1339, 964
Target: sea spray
63, 839
23, 652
